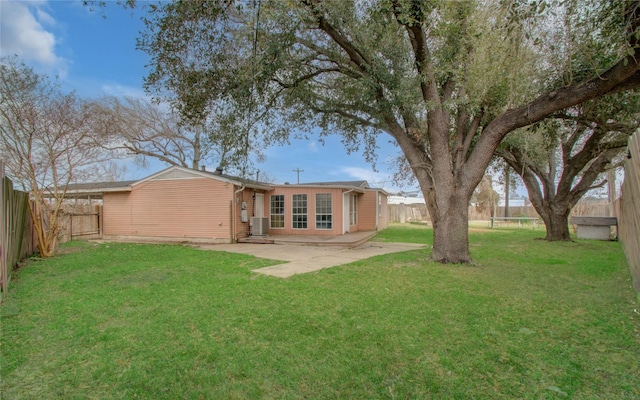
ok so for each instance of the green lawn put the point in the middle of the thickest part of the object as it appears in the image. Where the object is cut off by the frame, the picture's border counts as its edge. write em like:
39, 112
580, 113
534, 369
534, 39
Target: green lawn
530, 319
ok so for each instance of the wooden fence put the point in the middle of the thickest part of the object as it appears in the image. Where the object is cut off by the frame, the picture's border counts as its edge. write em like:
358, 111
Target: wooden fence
80, 223
418, 212
407, 213
629, 210
19, 240
17, 237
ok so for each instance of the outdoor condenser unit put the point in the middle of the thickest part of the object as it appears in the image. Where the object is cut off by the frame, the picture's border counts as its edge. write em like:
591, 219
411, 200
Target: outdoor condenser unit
259, 226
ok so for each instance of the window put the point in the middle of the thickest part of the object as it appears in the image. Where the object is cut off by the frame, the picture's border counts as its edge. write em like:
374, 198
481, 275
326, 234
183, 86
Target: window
323, 211
353, 209
299, 211
379, 204
277, 211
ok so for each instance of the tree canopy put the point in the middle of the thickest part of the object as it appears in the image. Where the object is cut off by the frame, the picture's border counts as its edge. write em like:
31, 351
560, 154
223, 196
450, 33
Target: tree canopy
561, 159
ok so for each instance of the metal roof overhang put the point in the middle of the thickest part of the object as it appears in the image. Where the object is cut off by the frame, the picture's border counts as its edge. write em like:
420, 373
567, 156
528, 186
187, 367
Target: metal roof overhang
95, 193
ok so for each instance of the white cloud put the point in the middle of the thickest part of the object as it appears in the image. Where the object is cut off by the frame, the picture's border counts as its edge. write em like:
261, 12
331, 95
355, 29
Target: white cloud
45, 18
375, 179
313, 147
22, 33
122, 91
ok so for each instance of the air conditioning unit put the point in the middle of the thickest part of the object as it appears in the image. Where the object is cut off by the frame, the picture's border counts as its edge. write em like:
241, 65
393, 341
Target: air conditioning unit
259, 226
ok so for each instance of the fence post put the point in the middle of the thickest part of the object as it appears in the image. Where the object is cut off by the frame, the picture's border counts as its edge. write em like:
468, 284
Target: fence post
4, 271
99, 210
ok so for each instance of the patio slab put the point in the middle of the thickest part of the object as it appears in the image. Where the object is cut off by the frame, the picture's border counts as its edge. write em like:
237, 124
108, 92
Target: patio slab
303, 259
348, 239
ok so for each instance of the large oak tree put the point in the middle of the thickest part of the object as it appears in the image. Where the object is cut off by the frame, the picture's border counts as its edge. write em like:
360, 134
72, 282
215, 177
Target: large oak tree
447, 80
560, 159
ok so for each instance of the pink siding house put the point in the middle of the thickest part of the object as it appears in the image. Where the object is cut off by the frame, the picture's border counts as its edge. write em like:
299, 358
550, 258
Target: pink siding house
180, 204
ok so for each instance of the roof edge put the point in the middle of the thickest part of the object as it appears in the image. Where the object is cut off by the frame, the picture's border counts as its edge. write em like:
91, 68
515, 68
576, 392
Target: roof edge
208, 175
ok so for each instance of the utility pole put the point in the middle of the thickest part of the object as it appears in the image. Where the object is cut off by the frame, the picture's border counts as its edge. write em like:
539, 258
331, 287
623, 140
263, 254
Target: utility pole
298, 170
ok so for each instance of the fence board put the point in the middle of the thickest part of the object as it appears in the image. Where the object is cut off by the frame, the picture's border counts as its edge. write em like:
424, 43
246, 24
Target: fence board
629, 222
80, 223
4, 270
418, 212
407, 212
17, 238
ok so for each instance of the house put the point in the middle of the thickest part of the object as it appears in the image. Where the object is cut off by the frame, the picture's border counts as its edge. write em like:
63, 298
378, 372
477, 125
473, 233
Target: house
181, 204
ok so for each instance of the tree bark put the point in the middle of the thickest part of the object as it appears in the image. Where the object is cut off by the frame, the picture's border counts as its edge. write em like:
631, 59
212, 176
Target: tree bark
447, 197
556, 220
450, 228
552, 206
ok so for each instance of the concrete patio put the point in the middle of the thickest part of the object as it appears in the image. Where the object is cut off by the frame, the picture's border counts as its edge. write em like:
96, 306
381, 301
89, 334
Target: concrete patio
346, 240
303, 258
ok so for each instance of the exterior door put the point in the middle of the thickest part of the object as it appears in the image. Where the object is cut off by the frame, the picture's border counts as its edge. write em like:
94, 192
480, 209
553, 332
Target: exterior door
259, 211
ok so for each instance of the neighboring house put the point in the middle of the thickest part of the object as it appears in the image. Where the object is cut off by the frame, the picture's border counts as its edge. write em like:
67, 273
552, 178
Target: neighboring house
198, 206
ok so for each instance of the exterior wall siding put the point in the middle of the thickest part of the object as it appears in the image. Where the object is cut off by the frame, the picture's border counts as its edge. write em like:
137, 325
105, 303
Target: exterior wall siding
198, 208
246, 196
180, 205
116, 214
383, 211
367, 211
288, 192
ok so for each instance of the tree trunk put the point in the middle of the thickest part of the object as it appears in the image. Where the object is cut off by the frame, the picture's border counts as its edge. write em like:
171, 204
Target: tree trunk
450, 229
196, 148
553, 206
447, 198
447, 202
557, 224
554, 213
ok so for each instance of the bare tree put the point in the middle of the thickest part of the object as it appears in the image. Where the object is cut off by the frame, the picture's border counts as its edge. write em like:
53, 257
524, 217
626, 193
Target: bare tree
46, 141
135, 126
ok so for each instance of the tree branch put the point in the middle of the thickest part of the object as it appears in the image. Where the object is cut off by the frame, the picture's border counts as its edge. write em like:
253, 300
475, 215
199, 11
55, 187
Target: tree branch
621, 73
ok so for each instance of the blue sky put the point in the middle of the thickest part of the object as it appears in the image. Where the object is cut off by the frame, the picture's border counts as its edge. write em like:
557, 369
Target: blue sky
96, 56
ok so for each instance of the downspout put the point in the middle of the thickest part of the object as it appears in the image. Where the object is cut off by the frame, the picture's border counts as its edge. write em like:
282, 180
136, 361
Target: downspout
253, 210
234, 238
231, 212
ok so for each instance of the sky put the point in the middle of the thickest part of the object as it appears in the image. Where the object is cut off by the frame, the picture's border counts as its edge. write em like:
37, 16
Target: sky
94, 53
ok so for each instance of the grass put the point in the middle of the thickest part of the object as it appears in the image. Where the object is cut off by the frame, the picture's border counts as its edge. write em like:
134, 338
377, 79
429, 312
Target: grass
530, 319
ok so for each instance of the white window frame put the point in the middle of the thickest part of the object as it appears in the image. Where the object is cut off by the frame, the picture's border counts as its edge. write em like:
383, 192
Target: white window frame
299, 211
277, 206
326, 224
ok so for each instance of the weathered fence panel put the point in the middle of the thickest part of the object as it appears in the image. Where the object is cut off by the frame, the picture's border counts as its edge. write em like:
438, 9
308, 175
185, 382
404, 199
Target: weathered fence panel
407, 213
629, 213
514, 211
18, 240
80, 224
418, 212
